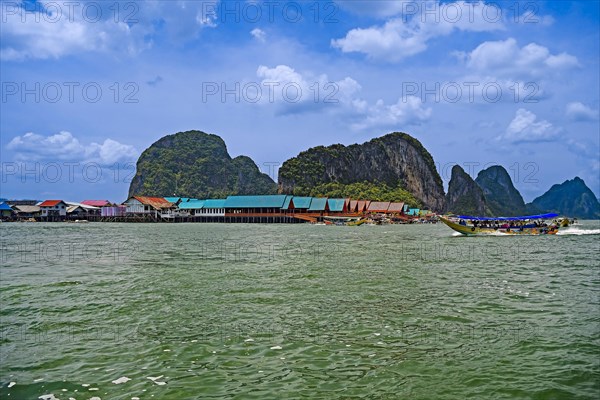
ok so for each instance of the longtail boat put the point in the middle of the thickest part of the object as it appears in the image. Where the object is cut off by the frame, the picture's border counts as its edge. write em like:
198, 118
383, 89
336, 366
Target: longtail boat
525, 225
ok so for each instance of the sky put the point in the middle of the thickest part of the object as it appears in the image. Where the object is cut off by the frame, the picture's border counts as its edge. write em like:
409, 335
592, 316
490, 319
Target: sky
88, 85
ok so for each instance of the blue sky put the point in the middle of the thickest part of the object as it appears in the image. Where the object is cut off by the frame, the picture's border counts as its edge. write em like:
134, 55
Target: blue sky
88, 85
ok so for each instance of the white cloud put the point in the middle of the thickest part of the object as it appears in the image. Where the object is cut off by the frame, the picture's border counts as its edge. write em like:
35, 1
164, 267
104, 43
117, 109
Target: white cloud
56, 33
259, 34
180, 19
293, 92
505, 56
525, 127
51, 29
520, 74
476, 88
64, 146
111, 151
405, 36
319, 93
394, 41
577, 111
407, 111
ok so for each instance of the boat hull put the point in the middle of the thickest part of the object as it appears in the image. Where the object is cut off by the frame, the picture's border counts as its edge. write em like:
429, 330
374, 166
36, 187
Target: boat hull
474, 230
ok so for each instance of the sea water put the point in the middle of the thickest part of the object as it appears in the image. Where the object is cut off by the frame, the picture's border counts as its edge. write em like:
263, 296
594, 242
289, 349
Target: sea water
199, 311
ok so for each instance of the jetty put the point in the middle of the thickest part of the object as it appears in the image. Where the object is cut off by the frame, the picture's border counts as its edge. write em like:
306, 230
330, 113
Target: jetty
233, 209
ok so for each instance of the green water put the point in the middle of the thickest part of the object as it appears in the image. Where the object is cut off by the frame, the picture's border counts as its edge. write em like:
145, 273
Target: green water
297, 311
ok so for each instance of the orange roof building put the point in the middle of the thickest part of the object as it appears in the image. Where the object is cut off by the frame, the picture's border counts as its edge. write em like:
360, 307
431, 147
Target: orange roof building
362, 205
147, 204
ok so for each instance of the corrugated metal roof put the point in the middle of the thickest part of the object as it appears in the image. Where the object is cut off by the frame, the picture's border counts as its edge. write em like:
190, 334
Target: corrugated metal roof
22, 202
318, 204
28, 209
214, 203
302, 202
72, 208
379, 206
396, 207
268, 201
336, 204
363, 205
286, 203
84, 206
178, 199
192, 205
97, 203
353, 205
155, 202
51, 203
4, 206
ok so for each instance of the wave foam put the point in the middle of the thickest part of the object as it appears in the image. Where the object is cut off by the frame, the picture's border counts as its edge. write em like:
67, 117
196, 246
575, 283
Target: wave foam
578, 231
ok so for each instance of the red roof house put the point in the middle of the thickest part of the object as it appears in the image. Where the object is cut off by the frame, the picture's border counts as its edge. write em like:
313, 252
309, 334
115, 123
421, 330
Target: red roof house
53, 208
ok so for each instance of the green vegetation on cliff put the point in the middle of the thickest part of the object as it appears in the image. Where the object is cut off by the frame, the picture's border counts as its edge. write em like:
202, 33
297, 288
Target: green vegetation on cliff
361, 190
394, 167
464, 196
572, 198
502, 198
196, 164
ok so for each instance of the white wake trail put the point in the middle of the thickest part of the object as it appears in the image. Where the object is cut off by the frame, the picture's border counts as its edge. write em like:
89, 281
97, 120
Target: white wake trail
578, 231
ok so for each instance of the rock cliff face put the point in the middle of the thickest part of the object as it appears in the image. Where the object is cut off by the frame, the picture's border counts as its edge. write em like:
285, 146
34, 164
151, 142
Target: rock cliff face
394, 167
395, 160
572, 198
501, 196
196, 164
464, 196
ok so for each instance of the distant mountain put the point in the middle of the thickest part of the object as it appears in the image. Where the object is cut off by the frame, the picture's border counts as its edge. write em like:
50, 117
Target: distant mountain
196, 164
503, 199
392, 167
572, 198
464, 196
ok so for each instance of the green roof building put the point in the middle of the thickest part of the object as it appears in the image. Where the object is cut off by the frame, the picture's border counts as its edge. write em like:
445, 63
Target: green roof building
338, 205
318, 204
267, 201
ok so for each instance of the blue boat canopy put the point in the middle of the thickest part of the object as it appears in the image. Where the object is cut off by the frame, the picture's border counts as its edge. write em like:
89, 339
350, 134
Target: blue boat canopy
540, 216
